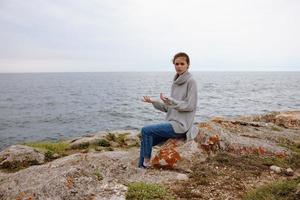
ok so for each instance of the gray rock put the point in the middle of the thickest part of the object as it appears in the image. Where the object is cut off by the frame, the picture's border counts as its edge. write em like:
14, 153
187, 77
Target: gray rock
131, 138
77, 177
85, 141
17, 156
189, 153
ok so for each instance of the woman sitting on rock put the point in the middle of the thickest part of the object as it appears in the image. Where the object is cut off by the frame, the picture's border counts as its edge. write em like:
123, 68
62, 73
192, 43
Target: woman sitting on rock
180, 108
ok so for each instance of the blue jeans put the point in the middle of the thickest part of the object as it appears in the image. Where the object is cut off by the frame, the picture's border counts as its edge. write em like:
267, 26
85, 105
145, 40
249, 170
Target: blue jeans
153, 135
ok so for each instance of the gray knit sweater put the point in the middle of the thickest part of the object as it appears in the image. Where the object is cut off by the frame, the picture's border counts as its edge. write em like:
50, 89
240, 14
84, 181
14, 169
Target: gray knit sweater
181, 106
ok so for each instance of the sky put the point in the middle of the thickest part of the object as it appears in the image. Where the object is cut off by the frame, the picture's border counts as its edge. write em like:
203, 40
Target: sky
136, 35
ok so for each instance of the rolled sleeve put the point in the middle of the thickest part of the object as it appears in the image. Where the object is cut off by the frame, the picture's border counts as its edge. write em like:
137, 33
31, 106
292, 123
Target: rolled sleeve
160, 106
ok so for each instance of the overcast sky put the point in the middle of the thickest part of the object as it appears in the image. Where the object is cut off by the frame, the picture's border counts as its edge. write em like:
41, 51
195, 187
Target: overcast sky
137, 35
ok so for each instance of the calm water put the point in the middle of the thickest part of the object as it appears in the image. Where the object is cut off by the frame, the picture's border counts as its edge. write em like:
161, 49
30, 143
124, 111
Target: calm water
61, 105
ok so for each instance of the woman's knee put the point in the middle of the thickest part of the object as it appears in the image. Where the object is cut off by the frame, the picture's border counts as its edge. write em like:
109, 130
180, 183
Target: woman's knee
145, 131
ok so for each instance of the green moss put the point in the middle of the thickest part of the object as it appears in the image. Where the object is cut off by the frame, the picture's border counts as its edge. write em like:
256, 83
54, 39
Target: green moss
292, 161
12, 167
108, 149
50, 148
99, 148
49, 155
111, 137
275, 128
84, 145
99, 175
118, 137
281, 190
103, 143
121, 138
141, 190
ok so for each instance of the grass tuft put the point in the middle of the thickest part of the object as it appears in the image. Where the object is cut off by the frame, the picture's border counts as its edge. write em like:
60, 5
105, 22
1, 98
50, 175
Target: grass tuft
50, 148
141, 190
281, 190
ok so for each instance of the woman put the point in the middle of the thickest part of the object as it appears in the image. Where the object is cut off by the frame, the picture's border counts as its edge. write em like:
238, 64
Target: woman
180, 109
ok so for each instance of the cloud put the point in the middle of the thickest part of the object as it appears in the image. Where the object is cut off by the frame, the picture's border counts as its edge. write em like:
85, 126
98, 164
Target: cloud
78, 35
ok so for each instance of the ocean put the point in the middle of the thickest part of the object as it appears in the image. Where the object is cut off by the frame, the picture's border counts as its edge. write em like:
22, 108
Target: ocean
53, 106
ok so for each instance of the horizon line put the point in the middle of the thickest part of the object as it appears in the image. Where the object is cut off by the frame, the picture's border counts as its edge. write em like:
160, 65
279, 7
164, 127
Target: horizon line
40, 72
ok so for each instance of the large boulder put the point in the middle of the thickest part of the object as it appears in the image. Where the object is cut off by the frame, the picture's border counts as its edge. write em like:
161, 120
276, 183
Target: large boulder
20, 156
286, 119
245, 137
94, 175
178, 154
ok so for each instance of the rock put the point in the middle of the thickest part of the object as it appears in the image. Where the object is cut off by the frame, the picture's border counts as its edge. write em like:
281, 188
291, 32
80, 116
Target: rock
130, 139
275, 169
84, 142
105, 174
242, 136
289, 172
99, 175
55, 156
287, 119
167, 155
176, 153
17, 156
190, 152
182, 177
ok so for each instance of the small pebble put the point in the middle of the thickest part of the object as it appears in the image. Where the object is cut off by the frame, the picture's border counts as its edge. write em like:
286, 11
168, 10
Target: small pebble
182, 177
275, 169
289, 172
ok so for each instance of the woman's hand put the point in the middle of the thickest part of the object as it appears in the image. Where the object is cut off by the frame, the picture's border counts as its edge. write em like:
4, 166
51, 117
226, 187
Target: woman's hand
147, 99
164, 99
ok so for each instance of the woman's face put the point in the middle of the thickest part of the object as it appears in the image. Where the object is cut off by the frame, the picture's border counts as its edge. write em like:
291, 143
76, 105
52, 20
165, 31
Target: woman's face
180, 65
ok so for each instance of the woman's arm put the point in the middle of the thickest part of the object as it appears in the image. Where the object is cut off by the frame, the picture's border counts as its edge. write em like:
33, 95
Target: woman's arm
160, 106
189, 103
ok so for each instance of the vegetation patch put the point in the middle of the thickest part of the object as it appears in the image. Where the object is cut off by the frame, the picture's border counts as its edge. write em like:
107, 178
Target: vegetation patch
99, 175
292, 161
16, 166
118, 138
280, 190
50, 148
141, 190
103, 143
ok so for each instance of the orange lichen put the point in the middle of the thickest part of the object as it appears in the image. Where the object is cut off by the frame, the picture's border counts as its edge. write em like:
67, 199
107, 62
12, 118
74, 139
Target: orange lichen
69, 182
218, 119
167, 155
206, 126
212, 144
22, 196
281, 154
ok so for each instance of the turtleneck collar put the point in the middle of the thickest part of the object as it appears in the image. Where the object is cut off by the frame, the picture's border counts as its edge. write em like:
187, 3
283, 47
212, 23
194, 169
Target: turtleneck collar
180, 79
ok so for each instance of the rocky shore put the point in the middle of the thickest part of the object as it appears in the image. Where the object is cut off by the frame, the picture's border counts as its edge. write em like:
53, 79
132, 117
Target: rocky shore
231, 158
